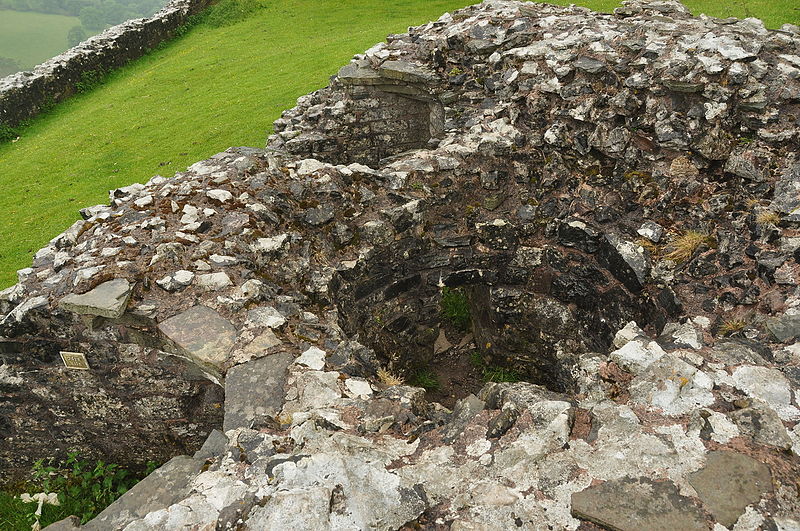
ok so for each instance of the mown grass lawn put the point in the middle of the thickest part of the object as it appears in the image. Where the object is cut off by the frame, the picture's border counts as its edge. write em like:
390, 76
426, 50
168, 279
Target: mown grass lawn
32, 38
212, 89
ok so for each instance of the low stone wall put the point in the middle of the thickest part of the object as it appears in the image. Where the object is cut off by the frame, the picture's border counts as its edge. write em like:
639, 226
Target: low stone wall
24, 94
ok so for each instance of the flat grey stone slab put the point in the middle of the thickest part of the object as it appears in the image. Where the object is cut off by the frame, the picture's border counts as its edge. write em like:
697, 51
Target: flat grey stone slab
162, 488
202, 333
70, 523
359, 74
406, 71
729, 483
255, 389
215, 444
108, 299
630, 504
463, 412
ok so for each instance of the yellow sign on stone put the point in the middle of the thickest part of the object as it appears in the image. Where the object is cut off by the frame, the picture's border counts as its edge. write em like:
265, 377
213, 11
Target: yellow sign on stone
74, 360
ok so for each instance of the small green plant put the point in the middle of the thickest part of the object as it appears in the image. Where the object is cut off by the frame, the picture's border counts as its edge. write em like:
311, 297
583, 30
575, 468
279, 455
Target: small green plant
72, 487
426, 379
456, 71
90, 80
476, 359
87, 487
455, 308
7, 133
500, 374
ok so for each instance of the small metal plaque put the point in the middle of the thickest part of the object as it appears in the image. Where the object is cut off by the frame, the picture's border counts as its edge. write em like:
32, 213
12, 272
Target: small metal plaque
74, 360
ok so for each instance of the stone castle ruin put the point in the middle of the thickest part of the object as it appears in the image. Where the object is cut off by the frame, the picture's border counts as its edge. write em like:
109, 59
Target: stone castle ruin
615, 195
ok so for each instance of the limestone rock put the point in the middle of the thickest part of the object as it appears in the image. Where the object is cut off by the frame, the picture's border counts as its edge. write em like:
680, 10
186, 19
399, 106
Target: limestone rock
769, 385
201, 333
633, 504
729, 482
109, 299
255, 389
626, 261
513, 164
673, 386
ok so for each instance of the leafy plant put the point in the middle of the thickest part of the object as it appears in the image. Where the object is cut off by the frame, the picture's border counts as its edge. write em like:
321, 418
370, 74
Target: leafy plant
83, 489
426, 379
476, 359
455, 308
7, 133
90, 80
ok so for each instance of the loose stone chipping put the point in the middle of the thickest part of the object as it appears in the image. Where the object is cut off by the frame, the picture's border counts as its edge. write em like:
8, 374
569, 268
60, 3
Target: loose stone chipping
545, 161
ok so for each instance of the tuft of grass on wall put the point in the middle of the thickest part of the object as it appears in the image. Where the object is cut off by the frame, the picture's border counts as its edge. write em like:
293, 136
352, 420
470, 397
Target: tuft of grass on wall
455, 308
426, 379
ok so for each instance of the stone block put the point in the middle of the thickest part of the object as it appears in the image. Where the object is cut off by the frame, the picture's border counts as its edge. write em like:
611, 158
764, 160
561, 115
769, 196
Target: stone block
255, 389
729, 483
109, 299
630, 504
202, 334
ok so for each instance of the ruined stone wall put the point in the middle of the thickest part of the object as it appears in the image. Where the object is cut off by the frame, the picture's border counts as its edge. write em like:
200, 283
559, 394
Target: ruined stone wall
25, 94
570, 171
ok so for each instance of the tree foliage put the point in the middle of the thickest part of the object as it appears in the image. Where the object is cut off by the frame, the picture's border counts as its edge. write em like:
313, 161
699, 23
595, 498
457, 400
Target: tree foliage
8, 66
95, 15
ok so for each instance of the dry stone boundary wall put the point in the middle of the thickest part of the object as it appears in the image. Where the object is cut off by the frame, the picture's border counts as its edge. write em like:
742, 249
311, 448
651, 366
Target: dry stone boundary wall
25, 94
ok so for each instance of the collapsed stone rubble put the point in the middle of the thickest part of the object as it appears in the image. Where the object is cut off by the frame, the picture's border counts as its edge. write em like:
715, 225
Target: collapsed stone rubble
615, 195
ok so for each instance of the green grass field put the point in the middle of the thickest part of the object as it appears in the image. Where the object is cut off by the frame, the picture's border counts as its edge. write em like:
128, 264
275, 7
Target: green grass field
32, 38
212, 89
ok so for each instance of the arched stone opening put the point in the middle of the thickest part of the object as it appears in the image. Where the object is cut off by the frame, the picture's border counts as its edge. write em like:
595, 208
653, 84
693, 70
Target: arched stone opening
384, 113
532, 310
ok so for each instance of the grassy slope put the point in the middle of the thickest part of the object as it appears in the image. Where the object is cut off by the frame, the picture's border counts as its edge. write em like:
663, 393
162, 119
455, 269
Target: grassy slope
214, 88
32, 38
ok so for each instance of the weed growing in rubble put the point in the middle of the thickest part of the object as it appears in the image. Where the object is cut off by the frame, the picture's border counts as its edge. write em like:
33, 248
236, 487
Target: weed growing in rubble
500, 374
455, 308
58, 489
767, 217
731, 327
389, 379
426, 379
684, 246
